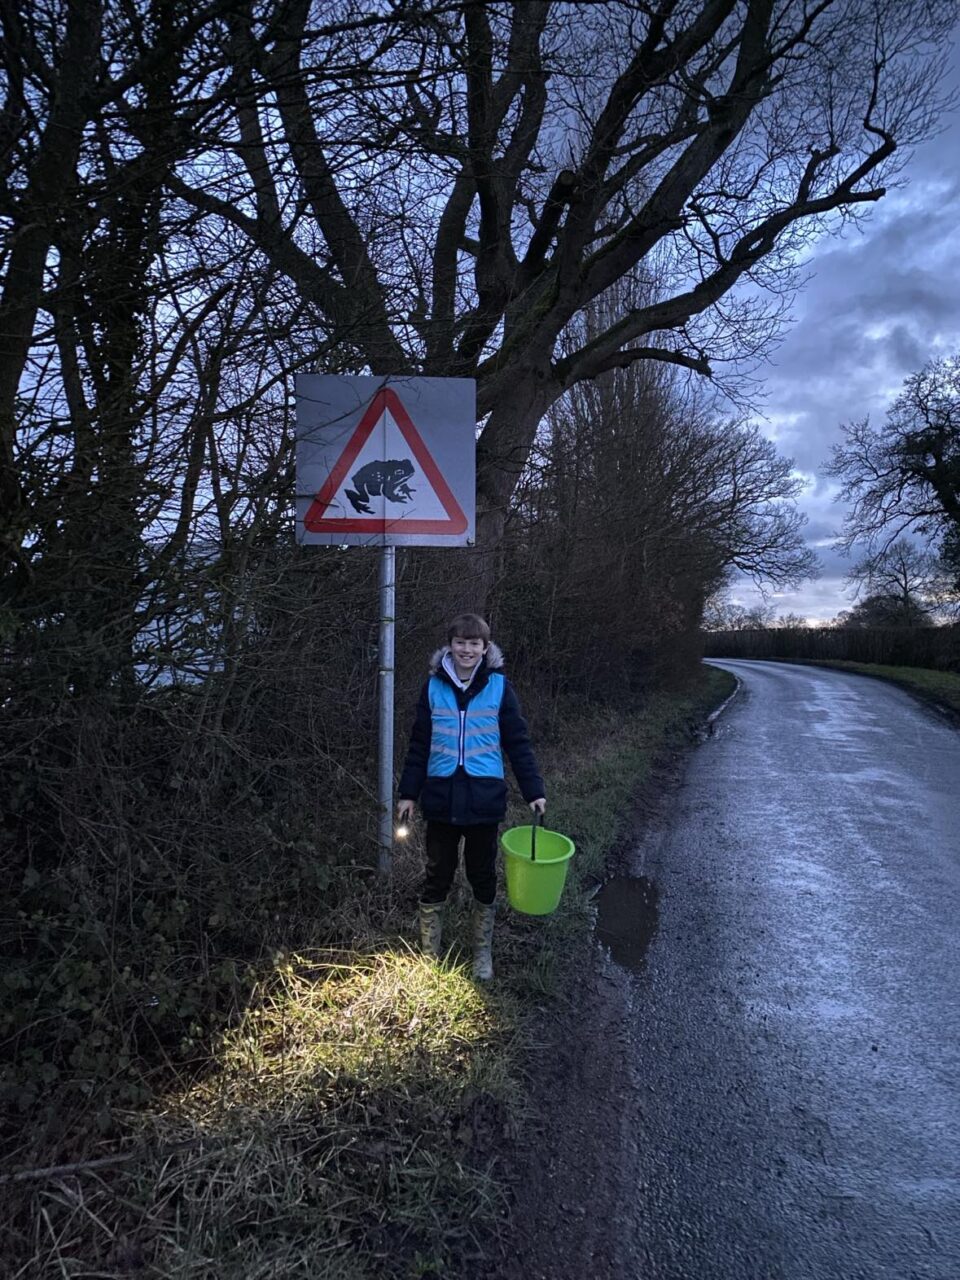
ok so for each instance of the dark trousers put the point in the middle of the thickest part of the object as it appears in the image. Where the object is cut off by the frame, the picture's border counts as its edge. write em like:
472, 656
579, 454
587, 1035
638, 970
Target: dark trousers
479, 860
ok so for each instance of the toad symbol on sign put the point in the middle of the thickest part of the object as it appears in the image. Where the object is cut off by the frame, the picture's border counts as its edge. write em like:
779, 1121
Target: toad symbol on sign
388, 479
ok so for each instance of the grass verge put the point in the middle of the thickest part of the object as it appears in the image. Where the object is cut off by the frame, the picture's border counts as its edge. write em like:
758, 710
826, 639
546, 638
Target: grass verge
348, 1124
592, 782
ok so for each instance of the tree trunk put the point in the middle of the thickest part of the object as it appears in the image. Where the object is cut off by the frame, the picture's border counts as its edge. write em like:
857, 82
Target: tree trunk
50, 184
502, 454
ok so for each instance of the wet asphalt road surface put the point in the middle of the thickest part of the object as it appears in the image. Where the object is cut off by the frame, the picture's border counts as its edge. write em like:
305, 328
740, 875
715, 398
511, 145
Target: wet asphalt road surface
796, 1018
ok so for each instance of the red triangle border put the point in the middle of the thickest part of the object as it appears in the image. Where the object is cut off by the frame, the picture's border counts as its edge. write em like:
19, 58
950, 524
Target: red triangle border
316, 522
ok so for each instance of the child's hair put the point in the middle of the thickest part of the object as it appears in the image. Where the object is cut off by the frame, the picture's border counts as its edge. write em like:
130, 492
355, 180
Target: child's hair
468, 626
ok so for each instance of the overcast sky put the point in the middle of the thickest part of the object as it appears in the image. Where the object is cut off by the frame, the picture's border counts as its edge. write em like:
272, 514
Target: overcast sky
880, 303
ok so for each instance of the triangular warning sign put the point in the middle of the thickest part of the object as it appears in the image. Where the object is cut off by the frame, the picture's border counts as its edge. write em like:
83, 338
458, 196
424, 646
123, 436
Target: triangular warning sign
376, 487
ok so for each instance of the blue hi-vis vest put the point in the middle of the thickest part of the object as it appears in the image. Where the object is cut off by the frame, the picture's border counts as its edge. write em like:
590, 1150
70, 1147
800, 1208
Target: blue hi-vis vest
471, 736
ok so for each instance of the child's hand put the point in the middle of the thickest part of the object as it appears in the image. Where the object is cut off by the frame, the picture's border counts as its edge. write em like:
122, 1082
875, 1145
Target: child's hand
539, 805
405, 810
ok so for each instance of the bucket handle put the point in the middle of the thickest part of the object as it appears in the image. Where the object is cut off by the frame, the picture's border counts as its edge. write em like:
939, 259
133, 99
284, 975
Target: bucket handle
537, 818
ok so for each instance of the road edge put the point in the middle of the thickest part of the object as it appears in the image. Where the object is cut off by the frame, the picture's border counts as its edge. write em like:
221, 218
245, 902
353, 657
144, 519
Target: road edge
718, 711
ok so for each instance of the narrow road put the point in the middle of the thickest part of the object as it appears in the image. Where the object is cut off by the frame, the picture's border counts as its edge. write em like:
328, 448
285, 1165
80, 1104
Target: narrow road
795, 1025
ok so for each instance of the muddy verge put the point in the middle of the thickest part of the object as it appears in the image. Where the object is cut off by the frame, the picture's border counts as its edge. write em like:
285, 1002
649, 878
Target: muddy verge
575, 1175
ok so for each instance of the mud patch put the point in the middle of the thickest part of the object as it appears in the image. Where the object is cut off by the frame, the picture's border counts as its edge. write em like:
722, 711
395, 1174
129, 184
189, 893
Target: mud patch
627, 917
585, 1124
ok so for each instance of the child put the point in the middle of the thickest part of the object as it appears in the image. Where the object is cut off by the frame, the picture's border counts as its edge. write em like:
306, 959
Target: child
468, 714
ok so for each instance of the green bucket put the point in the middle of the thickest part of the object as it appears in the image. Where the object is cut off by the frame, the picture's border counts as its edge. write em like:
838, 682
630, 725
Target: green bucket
535, 863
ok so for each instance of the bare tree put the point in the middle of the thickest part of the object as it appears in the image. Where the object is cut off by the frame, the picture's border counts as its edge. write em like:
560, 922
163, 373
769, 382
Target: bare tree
906, 475
906, 581
449, 186
722, 614
790, 621
636, 504
438, 187
879, 611
143, 403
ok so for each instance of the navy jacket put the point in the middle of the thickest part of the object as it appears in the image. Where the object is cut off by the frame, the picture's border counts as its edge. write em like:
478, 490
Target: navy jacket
460, 798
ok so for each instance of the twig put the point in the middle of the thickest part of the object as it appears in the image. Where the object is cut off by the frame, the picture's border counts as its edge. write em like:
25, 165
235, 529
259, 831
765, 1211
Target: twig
81, 1166
58, 1170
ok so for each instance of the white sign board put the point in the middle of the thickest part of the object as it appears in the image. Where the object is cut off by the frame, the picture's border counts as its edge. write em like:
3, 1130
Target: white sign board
386, 461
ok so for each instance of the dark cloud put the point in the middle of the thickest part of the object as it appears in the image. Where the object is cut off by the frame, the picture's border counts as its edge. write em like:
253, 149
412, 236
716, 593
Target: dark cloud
880, 301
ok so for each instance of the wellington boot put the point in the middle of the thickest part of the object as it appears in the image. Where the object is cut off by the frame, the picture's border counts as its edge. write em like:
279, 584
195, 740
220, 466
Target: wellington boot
431, 928
483, 941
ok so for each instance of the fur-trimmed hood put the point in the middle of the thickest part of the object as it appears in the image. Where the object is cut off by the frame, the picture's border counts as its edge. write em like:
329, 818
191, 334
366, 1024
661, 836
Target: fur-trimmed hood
493, 658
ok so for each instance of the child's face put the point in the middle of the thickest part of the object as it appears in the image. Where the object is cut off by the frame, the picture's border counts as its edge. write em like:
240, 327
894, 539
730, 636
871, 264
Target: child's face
467, 653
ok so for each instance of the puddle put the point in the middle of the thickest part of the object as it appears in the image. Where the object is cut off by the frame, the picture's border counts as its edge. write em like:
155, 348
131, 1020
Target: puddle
627, 918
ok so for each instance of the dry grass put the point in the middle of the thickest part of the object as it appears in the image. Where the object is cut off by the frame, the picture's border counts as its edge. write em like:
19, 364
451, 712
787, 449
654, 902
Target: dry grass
347, 1127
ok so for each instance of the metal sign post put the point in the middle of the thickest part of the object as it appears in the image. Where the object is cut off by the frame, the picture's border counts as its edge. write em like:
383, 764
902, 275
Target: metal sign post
386, 462
388, 600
